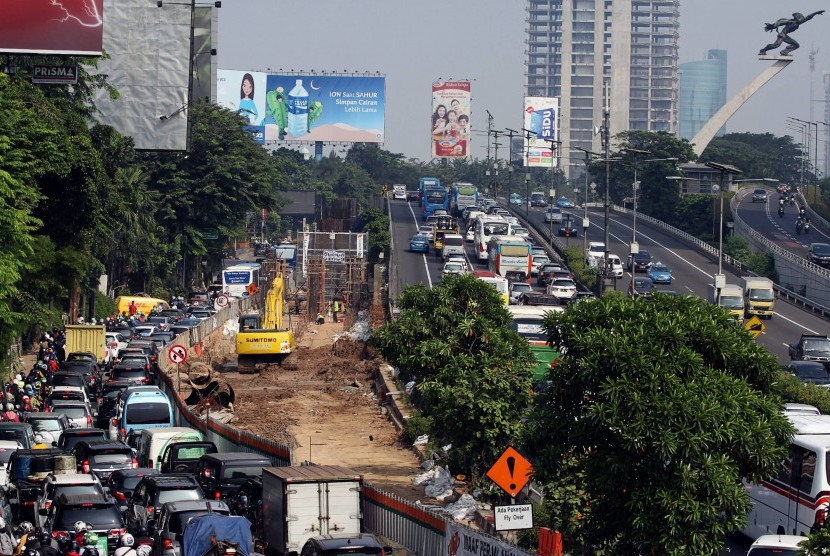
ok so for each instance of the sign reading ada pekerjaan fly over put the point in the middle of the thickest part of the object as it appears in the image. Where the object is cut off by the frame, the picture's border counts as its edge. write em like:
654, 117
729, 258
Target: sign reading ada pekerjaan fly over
65, 27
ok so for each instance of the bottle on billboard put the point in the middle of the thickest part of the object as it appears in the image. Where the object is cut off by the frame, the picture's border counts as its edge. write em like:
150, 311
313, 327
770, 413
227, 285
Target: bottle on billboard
536, 123
298, 110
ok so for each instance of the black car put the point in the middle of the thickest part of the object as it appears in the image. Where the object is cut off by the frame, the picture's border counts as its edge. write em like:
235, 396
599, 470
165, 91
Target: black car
122, 483
150, 349
247, 501
22, 433
100, 513
641, 286
819, 254
222, 474
182, 457
639, 262
567, 228
411, 196
811, 347
153, 491
173, 315
71, 437
107, 401
812, 372
126, 372
102, 457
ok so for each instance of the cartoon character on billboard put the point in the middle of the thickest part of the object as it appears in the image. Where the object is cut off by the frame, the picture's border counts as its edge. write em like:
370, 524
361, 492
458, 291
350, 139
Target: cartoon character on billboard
247, 108
277, 111
314, 111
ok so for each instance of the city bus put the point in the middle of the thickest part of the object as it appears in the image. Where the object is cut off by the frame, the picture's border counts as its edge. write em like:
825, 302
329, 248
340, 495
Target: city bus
527, 321
237, 278
424, 183
795, 500
509, 257
501, 284
485, 226
463, 195
435, 198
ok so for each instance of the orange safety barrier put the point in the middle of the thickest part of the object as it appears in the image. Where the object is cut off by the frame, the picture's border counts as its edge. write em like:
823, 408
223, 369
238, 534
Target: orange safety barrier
550, 542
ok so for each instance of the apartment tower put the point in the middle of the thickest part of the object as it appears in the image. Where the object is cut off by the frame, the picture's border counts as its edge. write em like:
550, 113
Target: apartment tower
575, 46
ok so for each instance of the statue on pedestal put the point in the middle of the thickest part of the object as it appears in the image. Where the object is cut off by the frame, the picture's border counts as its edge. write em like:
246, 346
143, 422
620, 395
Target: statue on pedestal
786, 26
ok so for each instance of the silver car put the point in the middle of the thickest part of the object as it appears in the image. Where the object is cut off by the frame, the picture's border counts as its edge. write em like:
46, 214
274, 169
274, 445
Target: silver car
78, 413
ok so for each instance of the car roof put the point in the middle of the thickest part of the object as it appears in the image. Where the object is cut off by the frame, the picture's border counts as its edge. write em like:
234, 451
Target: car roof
78, 499
86, 431
338, 540
43, 415
235, 456
73, 479
171, 480
195, 505
104, 444
138, 472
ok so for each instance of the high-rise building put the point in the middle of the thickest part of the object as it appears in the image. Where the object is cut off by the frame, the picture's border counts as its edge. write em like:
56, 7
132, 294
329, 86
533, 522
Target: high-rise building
575, 46
826, 128
702, 92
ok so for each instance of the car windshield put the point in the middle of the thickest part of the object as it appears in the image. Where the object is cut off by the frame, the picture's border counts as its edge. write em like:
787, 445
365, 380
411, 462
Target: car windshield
179, 495
659, 268
642, 284
89, 488
812, 372
821, 249
99, 517
41, 425
112, 458
68, 380
70, 440
239, 474
149, 413
521, 287
564, 284
817, 346
6, 454
71, 411
642, 256
127, 374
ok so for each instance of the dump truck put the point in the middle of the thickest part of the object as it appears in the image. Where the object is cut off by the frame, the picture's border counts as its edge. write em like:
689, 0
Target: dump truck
731, 299
300, 502
87, 338
262, 338
759, 296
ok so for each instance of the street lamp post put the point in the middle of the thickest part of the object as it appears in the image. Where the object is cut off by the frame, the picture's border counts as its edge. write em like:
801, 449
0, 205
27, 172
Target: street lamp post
585, 223
528, 136
719, 278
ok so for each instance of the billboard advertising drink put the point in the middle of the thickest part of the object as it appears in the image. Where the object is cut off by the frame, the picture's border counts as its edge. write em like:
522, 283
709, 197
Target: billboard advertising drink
450, 119
52, 27
306, 107
540, 118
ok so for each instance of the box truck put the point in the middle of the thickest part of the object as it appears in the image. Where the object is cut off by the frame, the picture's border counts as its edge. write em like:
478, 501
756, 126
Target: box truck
731, 299
301, 502
759, 296
87, 338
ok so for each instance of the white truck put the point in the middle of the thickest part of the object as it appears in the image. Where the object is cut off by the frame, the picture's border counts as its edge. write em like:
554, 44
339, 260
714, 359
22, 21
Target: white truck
731, 299
759, 296
594, 253
301, 502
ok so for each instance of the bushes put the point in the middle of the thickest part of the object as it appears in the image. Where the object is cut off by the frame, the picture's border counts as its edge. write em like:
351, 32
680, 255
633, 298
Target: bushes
575, 259
792, 390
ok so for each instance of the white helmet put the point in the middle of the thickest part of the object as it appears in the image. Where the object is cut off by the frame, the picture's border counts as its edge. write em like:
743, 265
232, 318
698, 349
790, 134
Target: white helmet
127, 540
9, 407
27, 527
143, 550
80, 526
2, 523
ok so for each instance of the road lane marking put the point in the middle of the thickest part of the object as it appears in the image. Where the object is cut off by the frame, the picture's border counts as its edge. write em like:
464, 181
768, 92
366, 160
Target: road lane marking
423, 255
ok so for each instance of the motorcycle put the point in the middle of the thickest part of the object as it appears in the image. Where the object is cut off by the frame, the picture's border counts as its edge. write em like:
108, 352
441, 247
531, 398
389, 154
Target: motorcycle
799, 226
792, 200
781, 211
806, 227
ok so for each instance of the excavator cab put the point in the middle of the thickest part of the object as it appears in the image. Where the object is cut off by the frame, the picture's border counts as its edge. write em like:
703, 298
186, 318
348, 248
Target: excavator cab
250, 321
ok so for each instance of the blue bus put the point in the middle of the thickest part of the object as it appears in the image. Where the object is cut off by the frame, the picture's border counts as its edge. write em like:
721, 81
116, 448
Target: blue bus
426, 182
435, 198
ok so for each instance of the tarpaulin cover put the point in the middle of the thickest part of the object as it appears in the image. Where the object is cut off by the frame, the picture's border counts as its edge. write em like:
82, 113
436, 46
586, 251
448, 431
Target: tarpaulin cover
197, 535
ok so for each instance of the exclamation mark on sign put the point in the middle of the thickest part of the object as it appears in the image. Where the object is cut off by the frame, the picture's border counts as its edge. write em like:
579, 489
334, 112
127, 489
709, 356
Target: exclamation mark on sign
511, 466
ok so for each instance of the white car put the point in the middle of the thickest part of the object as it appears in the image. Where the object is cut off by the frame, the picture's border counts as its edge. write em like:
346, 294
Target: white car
456, 257
538, 260
69, 393
784, 545
562, 288
144, 330
471, 234
512, 220
517, 289
616, 266
454, 268
594, 253
115, 342
553, 214
7, 448
520, 231
399, 194
427, 230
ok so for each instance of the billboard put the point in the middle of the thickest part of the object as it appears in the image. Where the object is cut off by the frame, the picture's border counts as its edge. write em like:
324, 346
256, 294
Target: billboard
305, 107
150, 67
540, 117
450, 122
52, 26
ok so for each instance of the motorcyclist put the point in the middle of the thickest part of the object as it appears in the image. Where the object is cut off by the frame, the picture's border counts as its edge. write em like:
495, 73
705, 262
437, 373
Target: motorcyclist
126, 549
90, 547
45, 545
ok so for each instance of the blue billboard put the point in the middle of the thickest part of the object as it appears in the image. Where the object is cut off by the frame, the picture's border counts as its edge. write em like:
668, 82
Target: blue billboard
305, 107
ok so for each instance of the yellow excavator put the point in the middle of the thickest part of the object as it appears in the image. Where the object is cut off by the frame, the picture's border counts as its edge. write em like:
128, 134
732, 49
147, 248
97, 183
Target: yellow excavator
262, 338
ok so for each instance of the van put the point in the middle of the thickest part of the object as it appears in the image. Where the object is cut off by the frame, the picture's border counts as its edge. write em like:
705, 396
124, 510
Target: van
453, 245
143, 304
222, 474
144, 407
152, 443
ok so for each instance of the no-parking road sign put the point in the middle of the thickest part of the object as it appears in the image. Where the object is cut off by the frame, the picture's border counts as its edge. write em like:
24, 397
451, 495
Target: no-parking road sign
221, 302
177, 354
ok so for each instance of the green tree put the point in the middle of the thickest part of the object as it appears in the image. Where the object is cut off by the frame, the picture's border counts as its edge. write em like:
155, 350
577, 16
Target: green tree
376, 224
663, 403
473, 372
758, 155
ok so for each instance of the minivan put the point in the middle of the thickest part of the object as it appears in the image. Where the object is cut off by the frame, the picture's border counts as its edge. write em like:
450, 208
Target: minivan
223, 473
144, 407
153, 442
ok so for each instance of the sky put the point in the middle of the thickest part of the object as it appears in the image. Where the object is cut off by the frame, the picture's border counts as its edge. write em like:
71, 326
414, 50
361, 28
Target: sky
415, 43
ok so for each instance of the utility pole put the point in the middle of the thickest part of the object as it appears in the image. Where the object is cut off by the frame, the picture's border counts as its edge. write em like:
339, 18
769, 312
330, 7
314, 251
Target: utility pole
528, 135
510, 133
585, 223
489, 131
607, 284
495, 177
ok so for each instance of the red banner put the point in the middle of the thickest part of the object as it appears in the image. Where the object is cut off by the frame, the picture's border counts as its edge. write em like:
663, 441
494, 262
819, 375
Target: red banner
52, 26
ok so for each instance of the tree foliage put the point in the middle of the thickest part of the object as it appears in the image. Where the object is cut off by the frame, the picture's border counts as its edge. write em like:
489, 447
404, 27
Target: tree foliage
662, 401
758, 155
473, 372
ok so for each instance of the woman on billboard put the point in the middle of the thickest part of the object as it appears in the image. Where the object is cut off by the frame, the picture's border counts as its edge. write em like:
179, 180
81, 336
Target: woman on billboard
247, 108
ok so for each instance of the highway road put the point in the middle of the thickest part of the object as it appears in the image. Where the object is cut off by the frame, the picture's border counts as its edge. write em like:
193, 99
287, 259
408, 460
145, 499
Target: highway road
692, 271
763, 217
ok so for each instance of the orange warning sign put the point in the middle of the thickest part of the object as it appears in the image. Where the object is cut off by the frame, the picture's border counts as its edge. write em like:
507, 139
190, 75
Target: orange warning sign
252, 289
511, 472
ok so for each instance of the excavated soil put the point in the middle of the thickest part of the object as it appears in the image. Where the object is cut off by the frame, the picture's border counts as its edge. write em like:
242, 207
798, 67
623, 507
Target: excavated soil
321, 401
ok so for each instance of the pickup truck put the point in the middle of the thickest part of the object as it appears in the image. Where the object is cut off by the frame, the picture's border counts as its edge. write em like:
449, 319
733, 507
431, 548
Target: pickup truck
594, 253
811, 347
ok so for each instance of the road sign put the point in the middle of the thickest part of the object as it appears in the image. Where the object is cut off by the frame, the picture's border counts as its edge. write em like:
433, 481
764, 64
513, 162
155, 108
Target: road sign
512, 518
221, 302
177, 354
511, 472
755, 326
252, 289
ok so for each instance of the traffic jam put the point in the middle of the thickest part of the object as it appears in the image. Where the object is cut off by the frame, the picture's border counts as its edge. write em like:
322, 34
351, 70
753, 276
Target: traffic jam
93, 461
